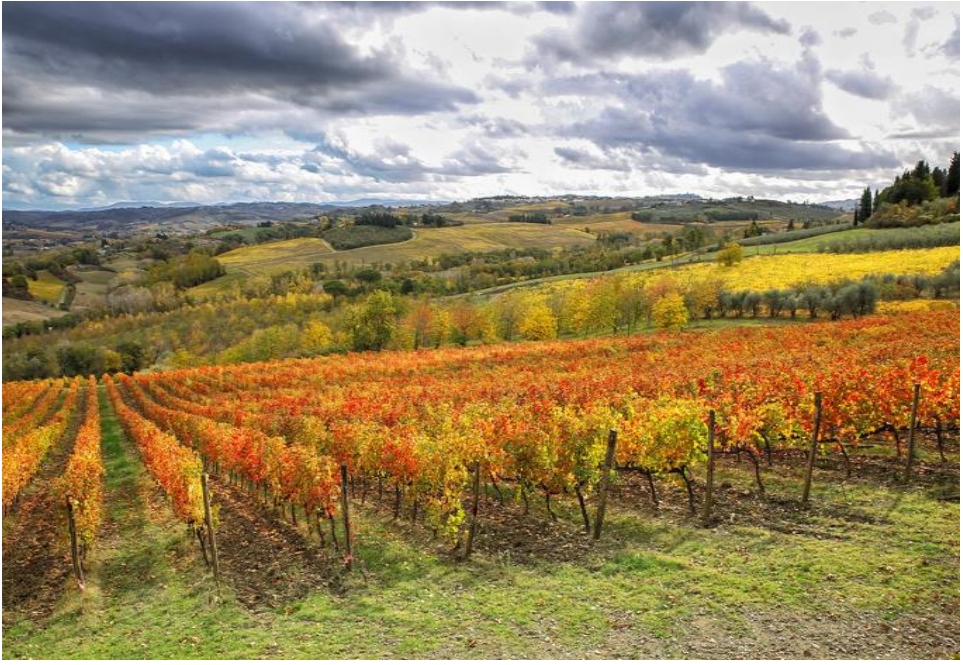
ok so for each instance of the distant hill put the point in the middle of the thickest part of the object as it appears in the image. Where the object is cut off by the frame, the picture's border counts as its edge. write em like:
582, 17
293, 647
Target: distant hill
171, 218
193, 218
842, 204
128, 218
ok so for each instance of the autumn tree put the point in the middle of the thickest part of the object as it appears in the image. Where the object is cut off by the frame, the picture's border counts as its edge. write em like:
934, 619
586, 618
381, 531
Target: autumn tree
316, 337
536, 320
417, 323
602, 313
703, 296
441, 328
730, 255
670, 313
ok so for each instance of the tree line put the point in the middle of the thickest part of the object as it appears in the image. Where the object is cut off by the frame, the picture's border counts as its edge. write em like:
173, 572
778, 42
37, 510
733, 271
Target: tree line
914, 187
311, 324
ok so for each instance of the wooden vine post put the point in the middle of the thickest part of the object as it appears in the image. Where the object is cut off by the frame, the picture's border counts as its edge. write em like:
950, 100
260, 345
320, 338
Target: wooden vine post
347, 518
911, 447
209, 523
604, 484
476, 490
74, 548
812, 448
710, 470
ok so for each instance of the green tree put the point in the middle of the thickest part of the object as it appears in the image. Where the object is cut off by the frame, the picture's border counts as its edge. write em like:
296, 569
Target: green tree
952, 186
371, 325
866, 205
335, 287
131, 356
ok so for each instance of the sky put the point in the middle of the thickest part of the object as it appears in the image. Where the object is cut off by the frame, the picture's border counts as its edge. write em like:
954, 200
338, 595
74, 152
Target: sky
218, 102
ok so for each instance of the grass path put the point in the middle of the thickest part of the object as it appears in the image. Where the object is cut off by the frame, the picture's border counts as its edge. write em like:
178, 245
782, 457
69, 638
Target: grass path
148, 595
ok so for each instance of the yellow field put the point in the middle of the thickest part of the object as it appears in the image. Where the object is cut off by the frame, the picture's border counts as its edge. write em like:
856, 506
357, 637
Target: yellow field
275, 257
918, 305
300, 253
616, 222
759, 273
46, 288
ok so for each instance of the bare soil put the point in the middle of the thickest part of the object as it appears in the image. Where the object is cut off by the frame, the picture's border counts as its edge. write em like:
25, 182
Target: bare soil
267, 561
36, 550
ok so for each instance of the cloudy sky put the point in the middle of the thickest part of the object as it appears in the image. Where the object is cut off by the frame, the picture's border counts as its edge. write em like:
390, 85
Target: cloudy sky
448, 101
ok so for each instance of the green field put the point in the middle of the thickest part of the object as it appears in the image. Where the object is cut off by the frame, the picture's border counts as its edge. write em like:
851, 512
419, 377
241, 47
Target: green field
817, 243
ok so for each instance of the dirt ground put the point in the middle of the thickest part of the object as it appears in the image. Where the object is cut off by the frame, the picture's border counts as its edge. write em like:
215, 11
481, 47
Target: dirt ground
267, 561
36, 554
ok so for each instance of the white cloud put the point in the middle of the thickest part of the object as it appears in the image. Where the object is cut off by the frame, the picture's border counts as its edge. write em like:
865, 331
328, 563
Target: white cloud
455, 102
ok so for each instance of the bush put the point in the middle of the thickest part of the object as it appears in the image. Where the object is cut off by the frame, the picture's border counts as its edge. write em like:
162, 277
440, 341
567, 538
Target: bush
891, 215
730, 255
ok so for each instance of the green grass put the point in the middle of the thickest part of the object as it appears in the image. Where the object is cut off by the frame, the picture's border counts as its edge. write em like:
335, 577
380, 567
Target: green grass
655, 586
853, 237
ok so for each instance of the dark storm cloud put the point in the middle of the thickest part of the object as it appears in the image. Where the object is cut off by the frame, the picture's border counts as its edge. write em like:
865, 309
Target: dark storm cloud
661, 30
727, 149
862, 83
760, 117
137, 54
161, 47
754, 96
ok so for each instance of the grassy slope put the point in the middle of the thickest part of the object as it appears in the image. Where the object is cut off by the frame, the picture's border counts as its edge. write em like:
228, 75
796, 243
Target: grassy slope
428, 243
851, 576
18, 311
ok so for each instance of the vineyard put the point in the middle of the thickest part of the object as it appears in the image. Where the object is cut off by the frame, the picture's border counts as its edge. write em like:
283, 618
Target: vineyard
477, 445
533, 418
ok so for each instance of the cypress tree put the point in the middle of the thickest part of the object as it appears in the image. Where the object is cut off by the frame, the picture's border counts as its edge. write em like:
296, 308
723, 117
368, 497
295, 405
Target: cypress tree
953, 176
866, 205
